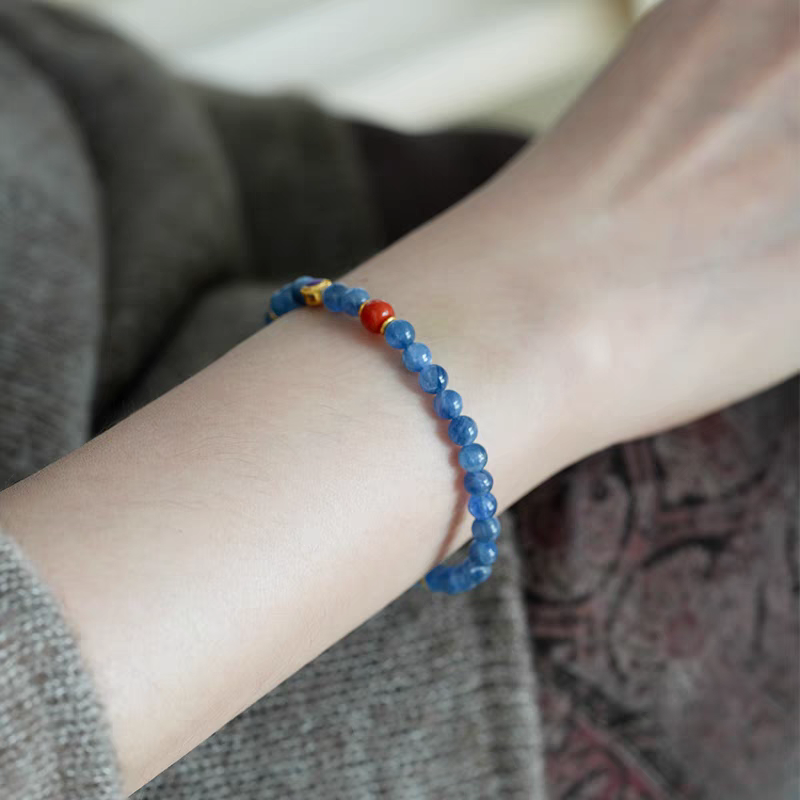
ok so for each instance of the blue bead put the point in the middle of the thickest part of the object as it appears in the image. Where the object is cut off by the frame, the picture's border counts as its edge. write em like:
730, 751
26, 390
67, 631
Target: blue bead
399, 334
483, 554
416, 356
282, 301
473, 457
296, 285
447, 404
479, 574
353, 299
482, 506
486, 530
437, 578
433, 378
458, 579
332, 297
478, 482
463, 431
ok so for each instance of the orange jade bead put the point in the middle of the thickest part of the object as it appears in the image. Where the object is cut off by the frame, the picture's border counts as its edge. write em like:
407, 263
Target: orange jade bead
374, 313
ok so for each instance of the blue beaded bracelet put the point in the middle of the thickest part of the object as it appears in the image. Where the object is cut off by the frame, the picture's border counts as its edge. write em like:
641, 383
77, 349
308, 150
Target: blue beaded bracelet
378, 317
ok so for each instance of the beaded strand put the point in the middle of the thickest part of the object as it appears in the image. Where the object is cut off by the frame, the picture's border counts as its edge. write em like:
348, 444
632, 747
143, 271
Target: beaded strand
378, 317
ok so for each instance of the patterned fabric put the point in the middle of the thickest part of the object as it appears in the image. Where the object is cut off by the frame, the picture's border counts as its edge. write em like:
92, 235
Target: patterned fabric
662, 590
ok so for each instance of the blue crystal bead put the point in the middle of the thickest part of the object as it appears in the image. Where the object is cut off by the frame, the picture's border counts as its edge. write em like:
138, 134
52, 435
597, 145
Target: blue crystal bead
482, 506
332, 297
486, 530
479, 574
437, 578
282, 301
473, 457
483, 553
479, 482
448, 404
298, 284
399, 334
458, 579
416, 356
433, 378
463, 431
353, 299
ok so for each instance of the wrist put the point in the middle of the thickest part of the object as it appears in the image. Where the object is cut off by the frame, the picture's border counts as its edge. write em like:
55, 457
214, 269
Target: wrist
494, 310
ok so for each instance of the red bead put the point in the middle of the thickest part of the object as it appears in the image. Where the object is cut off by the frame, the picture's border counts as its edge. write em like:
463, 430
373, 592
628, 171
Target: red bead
374, 314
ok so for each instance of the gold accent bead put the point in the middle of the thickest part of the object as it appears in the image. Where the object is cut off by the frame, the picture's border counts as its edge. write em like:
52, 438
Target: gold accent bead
361, 307
386, 322
313, 294
272, 315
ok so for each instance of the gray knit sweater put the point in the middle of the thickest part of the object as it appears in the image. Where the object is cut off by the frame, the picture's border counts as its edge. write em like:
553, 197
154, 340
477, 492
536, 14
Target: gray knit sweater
142, 225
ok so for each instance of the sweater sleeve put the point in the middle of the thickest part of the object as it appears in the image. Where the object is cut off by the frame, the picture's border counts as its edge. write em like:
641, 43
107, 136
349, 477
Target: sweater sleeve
54, 741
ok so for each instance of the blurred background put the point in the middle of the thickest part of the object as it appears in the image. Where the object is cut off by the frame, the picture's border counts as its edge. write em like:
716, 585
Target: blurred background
409, 64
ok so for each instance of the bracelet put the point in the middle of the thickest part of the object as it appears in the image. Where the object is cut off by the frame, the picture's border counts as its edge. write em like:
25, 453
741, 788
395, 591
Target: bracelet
378, 317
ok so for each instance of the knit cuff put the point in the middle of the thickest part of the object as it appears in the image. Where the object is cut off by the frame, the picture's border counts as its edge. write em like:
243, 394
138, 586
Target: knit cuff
54, 740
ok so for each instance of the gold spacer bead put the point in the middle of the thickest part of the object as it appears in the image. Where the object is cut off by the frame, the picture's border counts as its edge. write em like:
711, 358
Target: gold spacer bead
361, 307
386, 322
272, 315
312, 294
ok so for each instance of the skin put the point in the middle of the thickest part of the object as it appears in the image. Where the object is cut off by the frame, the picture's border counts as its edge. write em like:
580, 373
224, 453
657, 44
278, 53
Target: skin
636, 269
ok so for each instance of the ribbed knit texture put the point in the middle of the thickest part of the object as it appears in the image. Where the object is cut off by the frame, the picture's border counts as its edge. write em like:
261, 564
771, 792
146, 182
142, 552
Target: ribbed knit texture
143, 225
53, 739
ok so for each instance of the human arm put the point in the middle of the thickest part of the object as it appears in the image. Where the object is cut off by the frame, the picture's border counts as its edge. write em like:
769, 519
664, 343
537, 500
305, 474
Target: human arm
224, 535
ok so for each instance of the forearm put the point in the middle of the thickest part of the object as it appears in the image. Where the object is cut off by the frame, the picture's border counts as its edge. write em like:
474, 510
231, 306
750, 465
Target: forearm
209, 545
214, 542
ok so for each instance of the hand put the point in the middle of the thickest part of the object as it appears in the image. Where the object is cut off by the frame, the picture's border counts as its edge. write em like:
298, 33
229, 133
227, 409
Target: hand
660, 221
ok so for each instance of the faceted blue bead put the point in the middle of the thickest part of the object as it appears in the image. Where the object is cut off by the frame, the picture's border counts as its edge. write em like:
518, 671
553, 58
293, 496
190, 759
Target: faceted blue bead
282, 301
353, 300
433, 378
478, 482
436, 579
486, 530
479, 574
483, 553
447, 404
332, 297
459, 579
296, 285
463, 431
399, 334
482, 506
416, 356
473, 457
